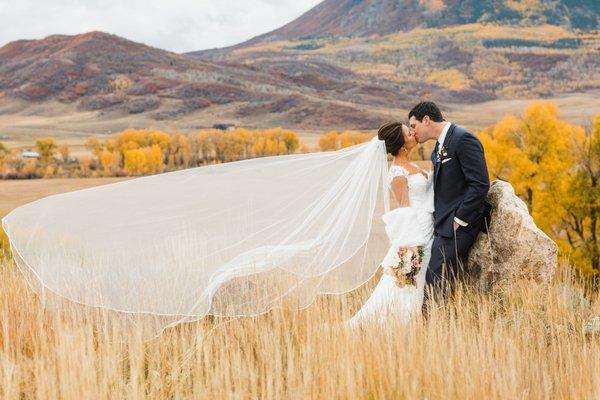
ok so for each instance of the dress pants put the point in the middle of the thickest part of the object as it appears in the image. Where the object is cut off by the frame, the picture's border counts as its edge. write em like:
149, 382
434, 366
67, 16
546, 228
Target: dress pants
448, 261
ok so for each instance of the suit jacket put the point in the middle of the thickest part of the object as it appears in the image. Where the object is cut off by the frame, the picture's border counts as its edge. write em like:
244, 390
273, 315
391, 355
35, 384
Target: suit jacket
461, 184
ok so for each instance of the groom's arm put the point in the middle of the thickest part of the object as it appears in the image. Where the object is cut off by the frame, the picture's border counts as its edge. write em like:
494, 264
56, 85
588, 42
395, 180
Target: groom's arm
472, 162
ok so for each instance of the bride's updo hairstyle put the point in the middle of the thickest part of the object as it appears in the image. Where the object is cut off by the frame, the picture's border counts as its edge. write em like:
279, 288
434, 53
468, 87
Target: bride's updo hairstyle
391, 133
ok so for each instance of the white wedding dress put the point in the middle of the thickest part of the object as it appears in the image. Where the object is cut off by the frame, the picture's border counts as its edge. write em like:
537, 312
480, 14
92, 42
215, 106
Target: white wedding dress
405, 227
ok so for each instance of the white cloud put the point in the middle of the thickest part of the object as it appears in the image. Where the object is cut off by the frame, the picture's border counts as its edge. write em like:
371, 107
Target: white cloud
176, 25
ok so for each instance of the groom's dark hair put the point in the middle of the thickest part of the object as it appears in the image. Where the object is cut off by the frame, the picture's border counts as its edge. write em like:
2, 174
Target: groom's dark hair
426, 108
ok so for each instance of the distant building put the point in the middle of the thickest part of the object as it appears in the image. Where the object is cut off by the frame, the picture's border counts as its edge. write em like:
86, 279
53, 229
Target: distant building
224, 127
30, 154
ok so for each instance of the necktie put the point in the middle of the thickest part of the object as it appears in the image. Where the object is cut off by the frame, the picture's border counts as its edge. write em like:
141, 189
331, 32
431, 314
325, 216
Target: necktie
436, 154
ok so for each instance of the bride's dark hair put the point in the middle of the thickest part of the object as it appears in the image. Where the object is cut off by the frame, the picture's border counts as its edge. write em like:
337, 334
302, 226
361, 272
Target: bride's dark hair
392, 134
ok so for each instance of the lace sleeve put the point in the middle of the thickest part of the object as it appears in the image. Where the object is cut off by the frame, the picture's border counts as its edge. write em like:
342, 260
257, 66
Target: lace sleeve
398, 183
400, 190
396, 171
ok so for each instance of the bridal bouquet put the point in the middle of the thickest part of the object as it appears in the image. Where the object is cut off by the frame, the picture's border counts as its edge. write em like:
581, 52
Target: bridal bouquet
408, 267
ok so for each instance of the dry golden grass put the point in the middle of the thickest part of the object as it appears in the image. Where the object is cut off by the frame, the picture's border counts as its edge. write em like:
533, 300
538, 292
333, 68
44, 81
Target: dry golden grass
18, 192
526, 342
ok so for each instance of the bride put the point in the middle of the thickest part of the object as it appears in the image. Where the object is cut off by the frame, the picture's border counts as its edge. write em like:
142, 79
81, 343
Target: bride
232, 239
408, 225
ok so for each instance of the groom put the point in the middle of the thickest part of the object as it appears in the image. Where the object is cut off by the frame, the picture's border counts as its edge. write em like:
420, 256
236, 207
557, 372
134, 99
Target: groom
461, 185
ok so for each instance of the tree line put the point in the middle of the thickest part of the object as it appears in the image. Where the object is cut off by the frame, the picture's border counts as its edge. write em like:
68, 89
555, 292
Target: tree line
135, 152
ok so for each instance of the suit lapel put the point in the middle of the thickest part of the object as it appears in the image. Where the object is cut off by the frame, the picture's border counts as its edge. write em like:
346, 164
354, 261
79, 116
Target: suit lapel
445, 144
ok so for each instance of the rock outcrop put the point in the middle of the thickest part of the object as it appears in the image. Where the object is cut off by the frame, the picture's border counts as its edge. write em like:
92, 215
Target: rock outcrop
514, 247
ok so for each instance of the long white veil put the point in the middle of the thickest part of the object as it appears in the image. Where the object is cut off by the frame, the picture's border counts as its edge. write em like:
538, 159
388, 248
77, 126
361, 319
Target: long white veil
234, 239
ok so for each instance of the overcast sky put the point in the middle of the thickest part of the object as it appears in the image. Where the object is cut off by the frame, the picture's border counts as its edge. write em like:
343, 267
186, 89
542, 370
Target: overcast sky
176, 25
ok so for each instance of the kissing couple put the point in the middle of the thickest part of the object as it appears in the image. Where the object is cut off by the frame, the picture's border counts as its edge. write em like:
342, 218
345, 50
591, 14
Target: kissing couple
441, 210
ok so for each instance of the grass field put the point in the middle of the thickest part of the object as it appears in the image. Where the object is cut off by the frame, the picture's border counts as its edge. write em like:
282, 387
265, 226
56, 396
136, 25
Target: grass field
526, 341
17, 192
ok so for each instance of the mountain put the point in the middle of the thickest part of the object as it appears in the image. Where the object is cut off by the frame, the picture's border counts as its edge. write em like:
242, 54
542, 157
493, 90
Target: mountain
111, 75
99, 70
352, 18
453, 51
72, 67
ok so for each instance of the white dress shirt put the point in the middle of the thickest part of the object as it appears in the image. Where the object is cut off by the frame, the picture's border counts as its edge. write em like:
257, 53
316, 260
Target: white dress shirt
441, 140
443, 134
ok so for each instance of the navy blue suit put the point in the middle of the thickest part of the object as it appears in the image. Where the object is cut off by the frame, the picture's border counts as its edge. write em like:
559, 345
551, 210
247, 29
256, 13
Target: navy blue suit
461, 184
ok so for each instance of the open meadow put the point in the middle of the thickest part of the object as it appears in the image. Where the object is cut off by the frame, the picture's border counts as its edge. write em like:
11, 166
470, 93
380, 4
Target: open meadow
21, 191
525, 341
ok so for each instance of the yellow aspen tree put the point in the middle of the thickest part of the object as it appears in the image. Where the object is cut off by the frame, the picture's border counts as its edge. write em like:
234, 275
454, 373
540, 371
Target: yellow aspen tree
291, 141
329, 141
4, 155
110, 144
29, 168
580, 201
259, 148
135, 162
84, 165
94, 146
107, 162
531, 152
272, 147
201, 147
138, 136
153, 159
46, 147
63, 149
235, 145
129, 145
218, 144
162, 139
185, 152
49, 171
178, 151
246, 139
535, 153
351, 138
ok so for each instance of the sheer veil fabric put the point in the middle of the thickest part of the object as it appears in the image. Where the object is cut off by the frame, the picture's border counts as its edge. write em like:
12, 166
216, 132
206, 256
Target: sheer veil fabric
233, 239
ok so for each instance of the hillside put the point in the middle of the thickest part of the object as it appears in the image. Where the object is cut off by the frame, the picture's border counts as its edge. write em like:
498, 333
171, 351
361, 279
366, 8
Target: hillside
356, 18
462, 51
99, 71
115, 77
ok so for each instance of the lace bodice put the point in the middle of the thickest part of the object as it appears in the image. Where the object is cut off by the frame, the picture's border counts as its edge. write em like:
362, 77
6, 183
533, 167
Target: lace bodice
420, 188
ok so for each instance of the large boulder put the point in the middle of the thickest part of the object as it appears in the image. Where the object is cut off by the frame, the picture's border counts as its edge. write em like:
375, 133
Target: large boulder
514, 247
